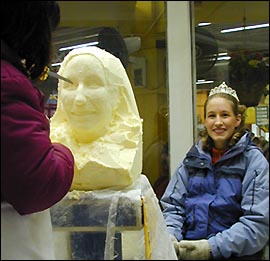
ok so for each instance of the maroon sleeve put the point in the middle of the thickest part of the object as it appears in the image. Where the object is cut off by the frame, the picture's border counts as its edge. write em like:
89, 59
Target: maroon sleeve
35, 173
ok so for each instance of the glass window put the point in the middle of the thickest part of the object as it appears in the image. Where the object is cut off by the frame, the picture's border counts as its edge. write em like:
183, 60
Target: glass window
232, 45
136, 31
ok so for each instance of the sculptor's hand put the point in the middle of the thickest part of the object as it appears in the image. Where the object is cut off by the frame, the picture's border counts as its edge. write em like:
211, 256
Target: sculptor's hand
193, 250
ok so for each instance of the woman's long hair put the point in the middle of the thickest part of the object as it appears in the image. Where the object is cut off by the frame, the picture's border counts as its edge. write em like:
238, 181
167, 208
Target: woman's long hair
27, 32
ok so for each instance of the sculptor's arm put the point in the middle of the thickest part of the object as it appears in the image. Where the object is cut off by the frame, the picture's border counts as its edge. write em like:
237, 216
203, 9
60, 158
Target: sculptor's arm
39, 173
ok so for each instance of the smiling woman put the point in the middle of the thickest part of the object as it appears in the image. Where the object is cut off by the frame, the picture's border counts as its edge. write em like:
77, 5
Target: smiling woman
224, 172
98, 119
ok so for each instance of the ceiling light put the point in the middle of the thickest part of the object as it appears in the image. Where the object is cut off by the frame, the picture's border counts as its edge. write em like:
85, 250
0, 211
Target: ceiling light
55, 64
203, 24
77, 46
204, 81
224, 58
249, 27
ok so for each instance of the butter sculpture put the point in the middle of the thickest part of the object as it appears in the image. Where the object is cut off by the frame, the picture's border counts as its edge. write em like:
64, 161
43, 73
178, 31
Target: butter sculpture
98, 119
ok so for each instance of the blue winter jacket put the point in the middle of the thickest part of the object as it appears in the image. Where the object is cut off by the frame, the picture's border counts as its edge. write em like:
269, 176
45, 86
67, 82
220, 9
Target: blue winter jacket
226, 202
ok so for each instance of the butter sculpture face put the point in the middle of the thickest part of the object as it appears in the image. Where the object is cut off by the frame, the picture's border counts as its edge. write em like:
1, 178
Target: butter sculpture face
98, 119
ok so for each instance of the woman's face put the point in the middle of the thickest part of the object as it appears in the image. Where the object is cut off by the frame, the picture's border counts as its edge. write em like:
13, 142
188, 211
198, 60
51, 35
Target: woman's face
220, 121
89, 101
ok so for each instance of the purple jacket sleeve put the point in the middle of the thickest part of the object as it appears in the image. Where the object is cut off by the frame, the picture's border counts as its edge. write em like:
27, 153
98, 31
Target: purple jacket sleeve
35, 173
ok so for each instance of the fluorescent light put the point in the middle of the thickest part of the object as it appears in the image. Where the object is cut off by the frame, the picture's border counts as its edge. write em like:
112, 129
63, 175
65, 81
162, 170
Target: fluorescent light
224, 58
203, 81
77, 46
222, 54
249, 27
256, 26
203, 24
55, 64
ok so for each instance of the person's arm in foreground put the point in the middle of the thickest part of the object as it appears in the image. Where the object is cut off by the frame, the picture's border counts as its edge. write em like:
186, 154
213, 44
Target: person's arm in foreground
35, 174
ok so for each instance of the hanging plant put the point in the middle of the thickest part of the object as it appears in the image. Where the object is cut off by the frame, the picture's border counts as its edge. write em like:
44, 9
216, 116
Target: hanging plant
248, 67
249, 75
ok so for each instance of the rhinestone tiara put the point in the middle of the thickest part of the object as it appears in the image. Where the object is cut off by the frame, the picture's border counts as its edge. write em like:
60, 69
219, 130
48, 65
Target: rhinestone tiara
223, 88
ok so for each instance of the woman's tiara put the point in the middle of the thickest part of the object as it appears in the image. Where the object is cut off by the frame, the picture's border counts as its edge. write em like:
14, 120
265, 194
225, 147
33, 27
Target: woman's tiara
223, 88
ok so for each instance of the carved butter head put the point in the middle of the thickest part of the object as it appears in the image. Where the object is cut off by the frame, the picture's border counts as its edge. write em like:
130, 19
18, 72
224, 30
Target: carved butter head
88, 103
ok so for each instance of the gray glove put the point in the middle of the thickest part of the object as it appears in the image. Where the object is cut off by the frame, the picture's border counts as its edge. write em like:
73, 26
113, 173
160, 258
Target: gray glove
194, 250
175, 244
